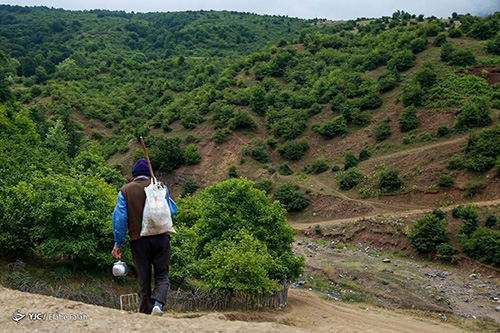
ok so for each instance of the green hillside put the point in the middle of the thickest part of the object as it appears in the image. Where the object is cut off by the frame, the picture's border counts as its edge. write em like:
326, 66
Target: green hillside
333, 119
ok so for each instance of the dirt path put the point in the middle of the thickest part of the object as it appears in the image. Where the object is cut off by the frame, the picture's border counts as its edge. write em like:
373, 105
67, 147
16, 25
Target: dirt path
307, 312
412, 151
101, 319
316, 314
302, 226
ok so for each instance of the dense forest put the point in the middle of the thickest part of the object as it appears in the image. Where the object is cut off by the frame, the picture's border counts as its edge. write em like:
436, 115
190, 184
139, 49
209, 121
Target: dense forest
288, 98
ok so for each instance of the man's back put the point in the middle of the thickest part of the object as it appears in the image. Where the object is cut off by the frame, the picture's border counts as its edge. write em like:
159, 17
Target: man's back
135, 197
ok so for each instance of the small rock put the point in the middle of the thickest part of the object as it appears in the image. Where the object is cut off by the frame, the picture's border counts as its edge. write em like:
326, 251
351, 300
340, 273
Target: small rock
386, 260
482, 286
474, 271
385, 283
366, 267
299, 243
497, 308
491, 277
473, 276
310, 256
388, 270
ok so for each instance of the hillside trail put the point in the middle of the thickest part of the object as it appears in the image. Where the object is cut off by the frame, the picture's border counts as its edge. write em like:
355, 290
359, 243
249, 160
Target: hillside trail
303, 226
307, 312
414, 150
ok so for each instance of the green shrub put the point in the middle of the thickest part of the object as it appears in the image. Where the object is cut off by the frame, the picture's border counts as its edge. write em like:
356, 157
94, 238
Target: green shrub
165, 153
427, 233
443, 131
370, 102
361, 118
364, 154
484, 245
413, 94
289, 128
426, 76
244, 151
191, 154
138, 154
288, 194
418, 45
402, 61
221, 135
350, 160
465, 212
455, 163
446, 51
264, 184
349, 178
483, 149
440, 40
293, 150
232, 172
242, 120
330, 129
382, 130
492, 221
387, 81
189, 186
259, 152
408, 120
445, 181
494, 45
285, 170
473, 114
335, 168
439, 214
242, 231
447, 252
69, 220
271, 142
318, 166
192, 138
455, 33
389, 181
473, 188
462, 58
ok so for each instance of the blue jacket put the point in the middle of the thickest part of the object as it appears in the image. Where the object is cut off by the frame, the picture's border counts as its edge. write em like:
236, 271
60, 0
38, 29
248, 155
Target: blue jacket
120, 217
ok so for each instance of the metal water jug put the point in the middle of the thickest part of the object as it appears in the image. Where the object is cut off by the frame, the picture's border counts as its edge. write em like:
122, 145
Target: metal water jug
120, 268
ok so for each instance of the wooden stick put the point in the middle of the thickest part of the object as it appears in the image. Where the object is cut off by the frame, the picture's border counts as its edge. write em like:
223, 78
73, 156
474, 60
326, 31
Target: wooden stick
147, 157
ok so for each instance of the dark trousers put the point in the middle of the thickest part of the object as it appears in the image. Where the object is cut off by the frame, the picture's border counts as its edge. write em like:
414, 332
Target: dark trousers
147, 251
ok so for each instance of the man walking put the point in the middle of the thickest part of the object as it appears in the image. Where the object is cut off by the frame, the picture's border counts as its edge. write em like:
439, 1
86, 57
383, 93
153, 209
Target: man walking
147, 250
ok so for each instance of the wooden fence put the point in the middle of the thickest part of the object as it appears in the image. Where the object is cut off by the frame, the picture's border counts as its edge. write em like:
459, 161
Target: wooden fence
209, 301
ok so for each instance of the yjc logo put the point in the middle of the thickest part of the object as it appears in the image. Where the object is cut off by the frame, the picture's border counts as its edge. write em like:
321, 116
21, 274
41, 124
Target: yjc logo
17, 316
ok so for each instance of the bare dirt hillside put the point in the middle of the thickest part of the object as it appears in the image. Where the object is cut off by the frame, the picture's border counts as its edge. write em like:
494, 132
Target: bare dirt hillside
308, 312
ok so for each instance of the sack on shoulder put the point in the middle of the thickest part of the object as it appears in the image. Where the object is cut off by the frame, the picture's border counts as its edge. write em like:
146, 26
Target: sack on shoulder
157, 218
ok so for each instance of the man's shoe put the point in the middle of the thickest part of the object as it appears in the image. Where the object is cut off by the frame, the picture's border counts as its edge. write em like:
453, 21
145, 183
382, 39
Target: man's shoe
157, 311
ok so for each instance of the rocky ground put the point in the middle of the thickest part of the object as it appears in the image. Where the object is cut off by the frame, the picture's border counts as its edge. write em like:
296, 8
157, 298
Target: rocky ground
360, 274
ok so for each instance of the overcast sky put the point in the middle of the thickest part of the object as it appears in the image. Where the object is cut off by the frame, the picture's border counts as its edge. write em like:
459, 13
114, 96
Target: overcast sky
330, 9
